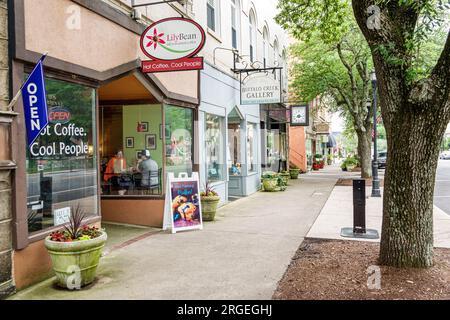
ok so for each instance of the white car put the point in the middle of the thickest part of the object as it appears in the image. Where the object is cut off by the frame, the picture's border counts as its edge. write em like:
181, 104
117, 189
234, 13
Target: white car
445, 155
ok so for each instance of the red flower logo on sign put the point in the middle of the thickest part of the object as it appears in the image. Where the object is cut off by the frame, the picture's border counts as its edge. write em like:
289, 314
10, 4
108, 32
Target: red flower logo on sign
155, 39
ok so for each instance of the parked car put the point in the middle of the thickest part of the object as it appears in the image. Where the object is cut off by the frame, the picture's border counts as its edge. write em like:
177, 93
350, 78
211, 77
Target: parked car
445, 155
382, 160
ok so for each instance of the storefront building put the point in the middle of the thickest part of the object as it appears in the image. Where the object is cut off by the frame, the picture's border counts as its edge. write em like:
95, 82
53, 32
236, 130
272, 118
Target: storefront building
103, 113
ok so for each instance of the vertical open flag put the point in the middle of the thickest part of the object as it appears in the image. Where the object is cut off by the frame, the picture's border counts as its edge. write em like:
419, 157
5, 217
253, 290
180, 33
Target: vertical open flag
35, 103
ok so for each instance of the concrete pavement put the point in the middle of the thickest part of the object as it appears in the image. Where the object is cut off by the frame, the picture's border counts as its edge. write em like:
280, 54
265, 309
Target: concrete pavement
338, 213
242, 255
442, 189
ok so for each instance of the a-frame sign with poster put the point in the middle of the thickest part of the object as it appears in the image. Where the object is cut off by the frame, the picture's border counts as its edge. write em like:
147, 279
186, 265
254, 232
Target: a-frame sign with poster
182, 209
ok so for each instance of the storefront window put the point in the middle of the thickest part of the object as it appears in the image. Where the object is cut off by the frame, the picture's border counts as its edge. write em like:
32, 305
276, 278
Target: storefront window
131, 144
214, 147
179, 137
251, 147
234, 143
61, 163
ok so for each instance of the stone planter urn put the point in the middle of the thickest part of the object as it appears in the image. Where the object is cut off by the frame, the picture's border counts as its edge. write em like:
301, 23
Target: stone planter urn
75, 263
209, 207
350, 167
270, 184
294, 173
284, 178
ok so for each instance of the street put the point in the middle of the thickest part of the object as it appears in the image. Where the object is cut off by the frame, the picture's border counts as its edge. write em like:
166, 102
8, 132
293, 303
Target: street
442, 189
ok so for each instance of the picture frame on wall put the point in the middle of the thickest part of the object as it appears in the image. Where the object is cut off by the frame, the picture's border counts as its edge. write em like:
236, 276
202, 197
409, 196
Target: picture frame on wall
129, 142
138, 154
150, 141
142, 127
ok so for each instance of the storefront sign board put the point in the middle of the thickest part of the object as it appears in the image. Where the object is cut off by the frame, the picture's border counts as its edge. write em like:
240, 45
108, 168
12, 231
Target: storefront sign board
260, 88
153, 66
172, 44
182, 210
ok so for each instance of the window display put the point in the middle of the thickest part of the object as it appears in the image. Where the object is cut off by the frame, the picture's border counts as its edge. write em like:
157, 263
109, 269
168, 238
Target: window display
61, 163
251, 147
214, 147
131, 154
234, 149
179, 132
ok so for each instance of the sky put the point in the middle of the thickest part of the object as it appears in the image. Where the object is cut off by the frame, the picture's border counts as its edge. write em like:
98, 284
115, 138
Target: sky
337, 123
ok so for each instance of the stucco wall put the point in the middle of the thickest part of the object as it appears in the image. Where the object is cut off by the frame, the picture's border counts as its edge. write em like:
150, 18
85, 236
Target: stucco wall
6, 285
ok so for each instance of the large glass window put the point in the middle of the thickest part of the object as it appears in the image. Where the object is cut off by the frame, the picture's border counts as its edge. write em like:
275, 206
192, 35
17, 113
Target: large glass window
235, 22
131, 148
179, 139
212, 13
61, 164
251, 147
214, 141
234, 149
252, 35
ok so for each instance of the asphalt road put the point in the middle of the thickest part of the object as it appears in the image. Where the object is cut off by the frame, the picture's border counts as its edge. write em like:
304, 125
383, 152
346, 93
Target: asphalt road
442, 189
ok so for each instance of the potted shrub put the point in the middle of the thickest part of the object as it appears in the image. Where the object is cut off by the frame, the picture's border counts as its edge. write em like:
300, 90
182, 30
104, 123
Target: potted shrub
270, 181
316, 166
351, 163
294, 171
330, 159
75, 251
284, 175
321, 164
210, 200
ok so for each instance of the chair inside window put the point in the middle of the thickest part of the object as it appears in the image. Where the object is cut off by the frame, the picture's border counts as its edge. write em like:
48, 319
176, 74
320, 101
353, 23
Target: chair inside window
149, 187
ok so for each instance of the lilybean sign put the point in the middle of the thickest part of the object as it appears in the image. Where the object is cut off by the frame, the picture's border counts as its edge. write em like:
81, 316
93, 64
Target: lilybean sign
172, 44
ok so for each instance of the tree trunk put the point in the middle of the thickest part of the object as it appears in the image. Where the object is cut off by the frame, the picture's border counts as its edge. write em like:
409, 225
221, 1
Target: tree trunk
413, 151
364, 152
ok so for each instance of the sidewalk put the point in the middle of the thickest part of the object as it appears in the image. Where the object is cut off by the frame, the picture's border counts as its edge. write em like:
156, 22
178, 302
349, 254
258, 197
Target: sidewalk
338, 213
242, 255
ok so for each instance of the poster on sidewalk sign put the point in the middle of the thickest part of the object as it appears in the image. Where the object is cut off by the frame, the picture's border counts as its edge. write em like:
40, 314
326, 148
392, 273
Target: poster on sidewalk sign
172, 44
182, 209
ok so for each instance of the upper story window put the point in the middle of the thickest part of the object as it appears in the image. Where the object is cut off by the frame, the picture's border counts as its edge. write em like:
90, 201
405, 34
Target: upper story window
276, 53
265, 46
235, 23
252, 35
212, 10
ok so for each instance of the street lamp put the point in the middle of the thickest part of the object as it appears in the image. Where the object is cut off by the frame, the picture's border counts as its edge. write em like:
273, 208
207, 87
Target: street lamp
375, 181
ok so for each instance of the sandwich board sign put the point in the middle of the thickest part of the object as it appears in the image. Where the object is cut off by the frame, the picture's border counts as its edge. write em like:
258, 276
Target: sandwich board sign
182, 209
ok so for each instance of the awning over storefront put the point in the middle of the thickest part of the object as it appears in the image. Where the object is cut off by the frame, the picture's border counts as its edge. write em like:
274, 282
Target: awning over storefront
332, 143
275, 113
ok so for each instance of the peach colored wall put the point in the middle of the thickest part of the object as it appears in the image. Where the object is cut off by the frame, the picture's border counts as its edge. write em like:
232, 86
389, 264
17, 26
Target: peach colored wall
31, 265
297, 147
97, 44
138, 212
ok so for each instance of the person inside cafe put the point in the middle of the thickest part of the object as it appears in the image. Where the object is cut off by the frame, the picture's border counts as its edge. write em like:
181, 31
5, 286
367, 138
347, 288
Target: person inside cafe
148, 169
116, 165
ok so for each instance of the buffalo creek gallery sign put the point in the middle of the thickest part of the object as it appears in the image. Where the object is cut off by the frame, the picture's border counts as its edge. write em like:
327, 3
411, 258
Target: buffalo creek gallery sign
172, 44
260, 88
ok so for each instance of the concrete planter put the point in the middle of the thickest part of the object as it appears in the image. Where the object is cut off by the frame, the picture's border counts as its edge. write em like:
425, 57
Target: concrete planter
284, 178
270, 184
209, 207
75, 263
294, 173
350, 167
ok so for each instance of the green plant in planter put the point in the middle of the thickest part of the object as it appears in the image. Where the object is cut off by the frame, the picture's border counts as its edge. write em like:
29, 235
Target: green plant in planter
75, 251
210, 200
294, 171
284, 176
349, 163
270, 181
330, 159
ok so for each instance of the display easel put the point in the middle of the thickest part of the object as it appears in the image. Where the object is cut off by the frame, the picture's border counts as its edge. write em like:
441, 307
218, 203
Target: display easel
168, 221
